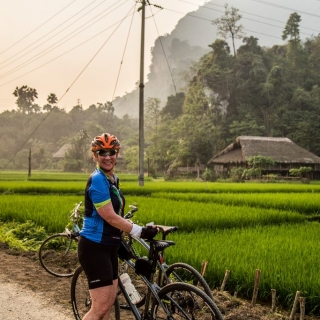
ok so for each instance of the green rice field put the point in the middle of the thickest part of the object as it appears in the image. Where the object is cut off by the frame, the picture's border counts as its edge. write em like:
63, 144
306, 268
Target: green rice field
239, 227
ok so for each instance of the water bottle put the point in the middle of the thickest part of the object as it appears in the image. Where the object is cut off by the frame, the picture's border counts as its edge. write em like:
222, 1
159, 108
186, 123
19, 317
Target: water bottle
130, 289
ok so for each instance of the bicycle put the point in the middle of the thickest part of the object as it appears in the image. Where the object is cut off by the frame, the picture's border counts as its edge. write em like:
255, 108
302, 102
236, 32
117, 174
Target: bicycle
58, 253
176, 272
176, 300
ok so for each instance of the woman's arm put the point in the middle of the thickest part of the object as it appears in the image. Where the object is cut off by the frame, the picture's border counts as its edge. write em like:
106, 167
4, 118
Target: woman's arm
107, 213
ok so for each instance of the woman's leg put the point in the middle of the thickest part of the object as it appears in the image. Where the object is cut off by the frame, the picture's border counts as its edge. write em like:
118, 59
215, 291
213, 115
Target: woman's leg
100, 264
102, 300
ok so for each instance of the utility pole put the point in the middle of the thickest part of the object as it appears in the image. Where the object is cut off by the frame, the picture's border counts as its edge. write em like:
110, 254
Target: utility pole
29, 167
141, 98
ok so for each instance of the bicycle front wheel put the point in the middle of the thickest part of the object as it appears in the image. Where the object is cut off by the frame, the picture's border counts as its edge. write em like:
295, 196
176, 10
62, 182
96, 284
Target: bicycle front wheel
58, 255
184, 301
182, 272
80, 297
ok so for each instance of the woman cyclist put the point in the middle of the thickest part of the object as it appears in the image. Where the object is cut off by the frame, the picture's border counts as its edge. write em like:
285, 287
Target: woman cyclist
102, 226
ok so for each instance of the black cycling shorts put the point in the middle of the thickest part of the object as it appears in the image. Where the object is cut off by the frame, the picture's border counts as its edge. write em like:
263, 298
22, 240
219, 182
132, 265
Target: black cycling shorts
99, 262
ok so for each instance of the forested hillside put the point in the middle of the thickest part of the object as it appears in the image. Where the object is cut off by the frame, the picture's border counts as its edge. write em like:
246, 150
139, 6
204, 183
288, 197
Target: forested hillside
253, 90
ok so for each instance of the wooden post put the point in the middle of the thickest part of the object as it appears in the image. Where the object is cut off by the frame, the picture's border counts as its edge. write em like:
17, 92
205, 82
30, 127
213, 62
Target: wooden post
226, 276
256, 287
302, 307
29, 166
295, 305
274, 297
204, 267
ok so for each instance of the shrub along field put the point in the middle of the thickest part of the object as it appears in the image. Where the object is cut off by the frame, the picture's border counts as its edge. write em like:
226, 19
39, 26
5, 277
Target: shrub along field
238, 227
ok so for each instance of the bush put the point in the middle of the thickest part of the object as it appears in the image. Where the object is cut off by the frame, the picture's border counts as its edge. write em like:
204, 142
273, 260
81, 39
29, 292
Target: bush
209, 175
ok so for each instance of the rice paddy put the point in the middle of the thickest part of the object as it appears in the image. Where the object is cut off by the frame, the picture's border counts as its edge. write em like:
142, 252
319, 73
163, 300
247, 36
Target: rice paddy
239, 227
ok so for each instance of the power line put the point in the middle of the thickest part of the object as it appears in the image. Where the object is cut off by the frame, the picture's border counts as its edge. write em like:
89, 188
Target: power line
45, 117
210, 20
164, 53
37, 27
12, 56
247, 18
61, 54
286, 8
124, 51
128, 14
69, 36
43, 52
255, 15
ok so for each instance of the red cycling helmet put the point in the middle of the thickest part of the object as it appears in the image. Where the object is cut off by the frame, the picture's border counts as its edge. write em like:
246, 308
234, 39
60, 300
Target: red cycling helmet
105, 141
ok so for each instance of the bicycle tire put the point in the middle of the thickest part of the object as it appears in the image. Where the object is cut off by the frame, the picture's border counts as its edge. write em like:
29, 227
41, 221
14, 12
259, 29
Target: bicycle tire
184, 301
80, 297
182, 272
58, 255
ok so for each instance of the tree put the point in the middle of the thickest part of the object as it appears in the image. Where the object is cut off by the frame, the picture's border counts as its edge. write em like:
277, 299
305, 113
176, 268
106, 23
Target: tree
152, 114
292, 28
294, 51
227, 25
153, 136
52, 99
47, 107
258, 163
174, 105
216, 69
274, 92
108, 110
76, 159
26, 97
302, 172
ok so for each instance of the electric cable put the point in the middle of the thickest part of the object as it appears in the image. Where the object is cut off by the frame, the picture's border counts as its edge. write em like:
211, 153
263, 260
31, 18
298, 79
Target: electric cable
252, 14
37, 27
60, 55
46, 36
124, 51
210, 20
46, 116
286, 8
128, 14
57, 43
272, 25
168, 10
164, 53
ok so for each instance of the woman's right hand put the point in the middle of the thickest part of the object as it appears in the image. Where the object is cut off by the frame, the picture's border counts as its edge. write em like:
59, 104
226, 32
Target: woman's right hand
149, 232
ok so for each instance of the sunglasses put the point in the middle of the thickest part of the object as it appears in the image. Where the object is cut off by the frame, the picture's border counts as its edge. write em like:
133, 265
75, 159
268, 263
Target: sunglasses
104, 153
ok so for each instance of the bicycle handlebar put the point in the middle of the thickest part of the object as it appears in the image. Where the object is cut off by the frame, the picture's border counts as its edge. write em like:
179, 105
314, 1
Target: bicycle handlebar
131, 212
165, 230
75, 212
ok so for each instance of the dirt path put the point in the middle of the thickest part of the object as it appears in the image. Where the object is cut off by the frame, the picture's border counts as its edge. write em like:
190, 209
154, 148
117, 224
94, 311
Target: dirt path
28, 292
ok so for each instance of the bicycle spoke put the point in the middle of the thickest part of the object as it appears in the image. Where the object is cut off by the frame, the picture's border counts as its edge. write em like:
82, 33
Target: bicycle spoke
184, 301
58, 255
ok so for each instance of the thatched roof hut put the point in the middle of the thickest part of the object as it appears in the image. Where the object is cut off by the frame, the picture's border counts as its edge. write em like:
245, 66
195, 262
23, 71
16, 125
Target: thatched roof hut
62, 151
285, 153
281, 150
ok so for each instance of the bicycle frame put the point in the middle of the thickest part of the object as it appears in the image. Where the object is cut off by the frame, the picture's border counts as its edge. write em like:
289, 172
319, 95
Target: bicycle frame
153, 289
161, 264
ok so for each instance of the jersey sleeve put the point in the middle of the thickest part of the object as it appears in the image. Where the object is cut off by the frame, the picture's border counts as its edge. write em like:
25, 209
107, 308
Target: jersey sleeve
99, 191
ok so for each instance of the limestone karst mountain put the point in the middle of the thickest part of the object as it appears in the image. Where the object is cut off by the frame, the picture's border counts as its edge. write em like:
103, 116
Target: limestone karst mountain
173, 54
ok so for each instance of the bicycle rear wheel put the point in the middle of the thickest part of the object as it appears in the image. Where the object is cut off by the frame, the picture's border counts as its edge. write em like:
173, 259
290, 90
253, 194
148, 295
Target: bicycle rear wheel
184, 301
80, 297
58, 255
182, 272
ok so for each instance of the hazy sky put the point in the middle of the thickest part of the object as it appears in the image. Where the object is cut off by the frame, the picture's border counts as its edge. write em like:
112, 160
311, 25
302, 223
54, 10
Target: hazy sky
88, 51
